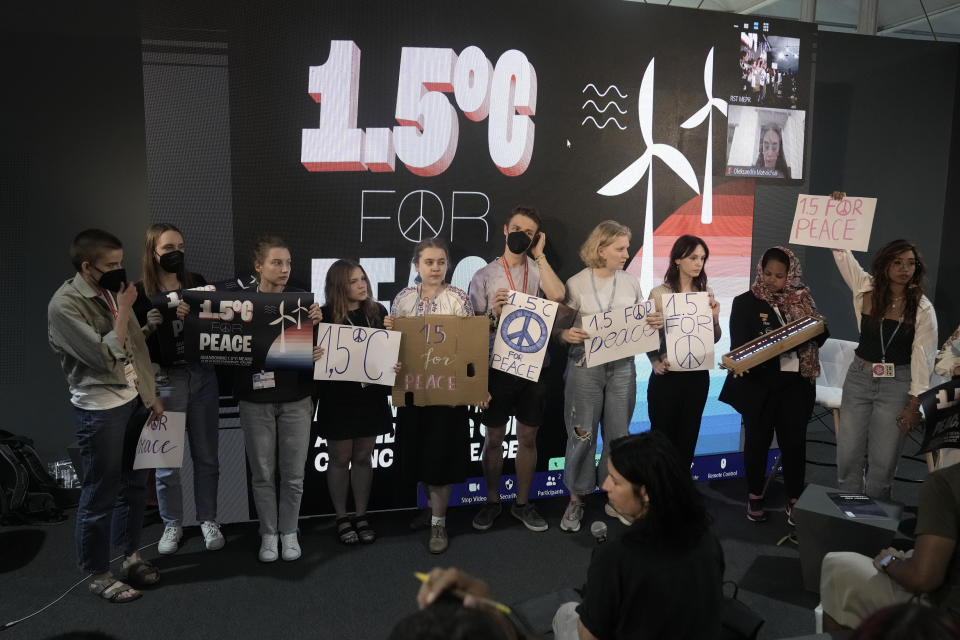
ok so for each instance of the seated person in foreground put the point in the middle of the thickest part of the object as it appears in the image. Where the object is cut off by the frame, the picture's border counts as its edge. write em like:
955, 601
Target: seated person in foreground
908, 622
662, 577
852, 586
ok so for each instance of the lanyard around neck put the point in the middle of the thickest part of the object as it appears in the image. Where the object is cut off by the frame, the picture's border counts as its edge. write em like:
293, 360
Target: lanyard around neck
421, 308
596, 294
526, 268
885, 346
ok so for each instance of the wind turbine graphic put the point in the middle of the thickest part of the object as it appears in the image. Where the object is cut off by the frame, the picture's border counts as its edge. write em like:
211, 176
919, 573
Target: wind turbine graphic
706, 112
630, 176
283, 337
299, 308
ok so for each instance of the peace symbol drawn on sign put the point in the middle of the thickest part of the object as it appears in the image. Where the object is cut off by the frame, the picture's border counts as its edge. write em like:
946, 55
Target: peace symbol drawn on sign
520, 339
690, 351
359, 335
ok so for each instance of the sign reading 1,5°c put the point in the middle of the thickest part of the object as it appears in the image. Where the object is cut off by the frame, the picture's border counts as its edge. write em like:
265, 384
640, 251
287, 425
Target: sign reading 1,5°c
426, 137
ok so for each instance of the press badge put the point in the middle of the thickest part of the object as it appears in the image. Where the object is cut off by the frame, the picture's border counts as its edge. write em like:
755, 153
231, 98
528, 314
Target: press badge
883, 370
129, 372
264, 380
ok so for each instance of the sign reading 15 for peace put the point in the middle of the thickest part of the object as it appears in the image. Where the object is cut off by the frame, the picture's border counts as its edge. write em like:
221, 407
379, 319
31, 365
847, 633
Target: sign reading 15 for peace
522, 335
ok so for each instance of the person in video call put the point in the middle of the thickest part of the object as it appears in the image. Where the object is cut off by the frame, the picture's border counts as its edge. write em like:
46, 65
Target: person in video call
92, 328
770, 154
522, 267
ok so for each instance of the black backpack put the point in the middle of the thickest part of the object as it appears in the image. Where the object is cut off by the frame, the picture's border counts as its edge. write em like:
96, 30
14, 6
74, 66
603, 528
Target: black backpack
27, 490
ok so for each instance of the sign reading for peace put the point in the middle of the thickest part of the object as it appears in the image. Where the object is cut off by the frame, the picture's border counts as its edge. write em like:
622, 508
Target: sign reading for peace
521, 340
821, 221
620, 333
688, 324
160, 445
359, 354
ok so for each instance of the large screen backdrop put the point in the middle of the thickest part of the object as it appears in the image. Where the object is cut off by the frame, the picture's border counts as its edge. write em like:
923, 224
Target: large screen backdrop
360, 128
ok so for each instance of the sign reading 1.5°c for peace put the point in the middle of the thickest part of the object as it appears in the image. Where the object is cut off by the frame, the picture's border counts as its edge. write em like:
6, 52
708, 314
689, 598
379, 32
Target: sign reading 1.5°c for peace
522, 335
620, 333
359, 354
821, 221
688, 325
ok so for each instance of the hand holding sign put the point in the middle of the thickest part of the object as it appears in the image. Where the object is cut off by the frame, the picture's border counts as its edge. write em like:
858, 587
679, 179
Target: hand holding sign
360, 354
688, 321
521, 339
834, 223
160, 445
620, 333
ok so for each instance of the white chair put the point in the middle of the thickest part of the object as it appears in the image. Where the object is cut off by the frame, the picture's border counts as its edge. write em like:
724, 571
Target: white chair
835, 358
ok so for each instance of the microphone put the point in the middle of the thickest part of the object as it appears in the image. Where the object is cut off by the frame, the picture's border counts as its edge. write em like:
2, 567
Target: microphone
599, 531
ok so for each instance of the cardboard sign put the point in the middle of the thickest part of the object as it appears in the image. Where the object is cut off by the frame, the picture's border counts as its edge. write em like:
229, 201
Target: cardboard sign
521, 340
249, 329
444, 360
358, 354
821, 221
620, 333
688, 324
161, 442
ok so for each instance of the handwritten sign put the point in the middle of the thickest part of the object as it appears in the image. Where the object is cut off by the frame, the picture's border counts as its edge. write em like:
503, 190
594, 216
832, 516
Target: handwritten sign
521, 340
620, 333
688, 324
444, 360
821, 221
249, 329
359, 354
160, 445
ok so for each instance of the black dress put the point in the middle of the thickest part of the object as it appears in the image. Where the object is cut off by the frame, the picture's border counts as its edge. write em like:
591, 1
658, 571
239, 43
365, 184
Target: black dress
348, 410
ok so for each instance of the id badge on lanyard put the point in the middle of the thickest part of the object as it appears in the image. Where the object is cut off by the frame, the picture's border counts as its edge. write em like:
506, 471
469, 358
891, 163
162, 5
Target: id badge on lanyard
264, 380
884, 369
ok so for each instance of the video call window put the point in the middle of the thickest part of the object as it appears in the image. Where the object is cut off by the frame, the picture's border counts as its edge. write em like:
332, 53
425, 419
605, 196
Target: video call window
768, 71
765, 143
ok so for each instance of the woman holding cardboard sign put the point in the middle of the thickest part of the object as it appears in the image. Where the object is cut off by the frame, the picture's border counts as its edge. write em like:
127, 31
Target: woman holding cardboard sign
351, 414
778, 394
434, 439
605, 394
892, 367
675, 400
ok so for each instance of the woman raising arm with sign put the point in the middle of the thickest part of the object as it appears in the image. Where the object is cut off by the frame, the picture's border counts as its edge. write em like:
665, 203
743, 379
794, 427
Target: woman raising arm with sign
351, 414
606, 393
675, 400
892, 367
433, 439
777, 395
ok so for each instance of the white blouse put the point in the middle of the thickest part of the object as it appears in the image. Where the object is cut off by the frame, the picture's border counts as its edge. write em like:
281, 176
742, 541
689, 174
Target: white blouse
449, 300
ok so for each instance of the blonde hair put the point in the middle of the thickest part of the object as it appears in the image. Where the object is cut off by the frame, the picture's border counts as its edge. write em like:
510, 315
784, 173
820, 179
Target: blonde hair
603, 235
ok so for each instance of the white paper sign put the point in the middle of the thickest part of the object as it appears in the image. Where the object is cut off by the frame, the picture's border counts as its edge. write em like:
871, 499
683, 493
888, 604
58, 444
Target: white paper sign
620, 333
821, 221
688, 323
358, 354
522, 335
161, 442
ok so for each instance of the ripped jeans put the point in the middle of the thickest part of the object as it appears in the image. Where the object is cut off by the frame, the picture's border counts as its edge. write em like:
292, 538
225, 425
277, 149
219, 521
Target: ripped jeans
599, 399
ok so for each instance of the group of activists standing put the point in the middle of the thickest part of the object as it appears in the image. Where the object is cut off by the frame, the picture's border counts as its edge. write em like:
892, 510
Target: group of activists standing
104, 330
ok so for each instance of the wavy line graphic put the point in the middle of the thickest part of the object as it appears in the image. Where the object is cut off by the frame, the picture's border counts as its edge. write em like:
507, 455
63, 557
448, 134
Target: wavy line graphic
607, 106
605, 123
603, 95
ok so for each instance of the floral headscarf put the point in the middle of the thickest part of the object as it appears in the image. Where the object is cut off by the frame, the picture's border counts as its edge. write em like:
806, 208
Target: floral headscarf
794, 301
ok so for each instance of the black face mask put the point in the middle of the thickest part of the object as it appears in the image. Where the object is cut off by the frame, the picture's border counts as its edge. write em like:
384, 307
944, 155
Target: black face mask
171, 262
518, 241
112, 280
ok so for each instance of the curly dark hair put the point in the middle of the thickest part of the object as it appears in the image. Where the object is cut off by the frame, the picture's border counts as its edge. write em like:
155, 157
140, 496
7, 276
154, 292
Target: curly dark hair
880, 298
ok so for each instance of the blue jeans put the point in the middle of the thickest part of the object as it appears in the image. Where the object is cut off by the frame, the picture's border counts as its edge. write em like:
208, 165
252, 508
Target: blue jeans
868, 438
112, 494
193, 389
277, 436
601, 397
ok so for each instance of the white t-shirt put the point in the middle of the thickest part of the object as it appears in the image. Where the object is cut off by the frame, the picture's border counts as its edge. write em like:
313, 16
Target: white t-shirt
587, 300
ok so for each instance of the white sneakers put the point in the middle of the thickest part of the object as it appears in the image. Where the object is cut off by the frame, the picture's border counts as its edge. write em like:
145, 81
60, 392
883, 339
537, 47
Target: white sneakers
212, 537
170, 540
290, 546
268, 547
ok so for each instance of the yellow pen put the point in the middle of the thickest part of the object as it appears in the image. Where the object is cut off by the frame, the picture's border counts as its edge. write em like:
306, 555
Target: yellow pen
460, 593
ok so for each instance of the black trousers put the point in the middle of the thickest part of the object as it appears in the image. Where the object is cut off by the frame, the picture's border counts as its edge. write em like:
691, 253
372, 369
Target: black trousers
675, 402
784, 409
